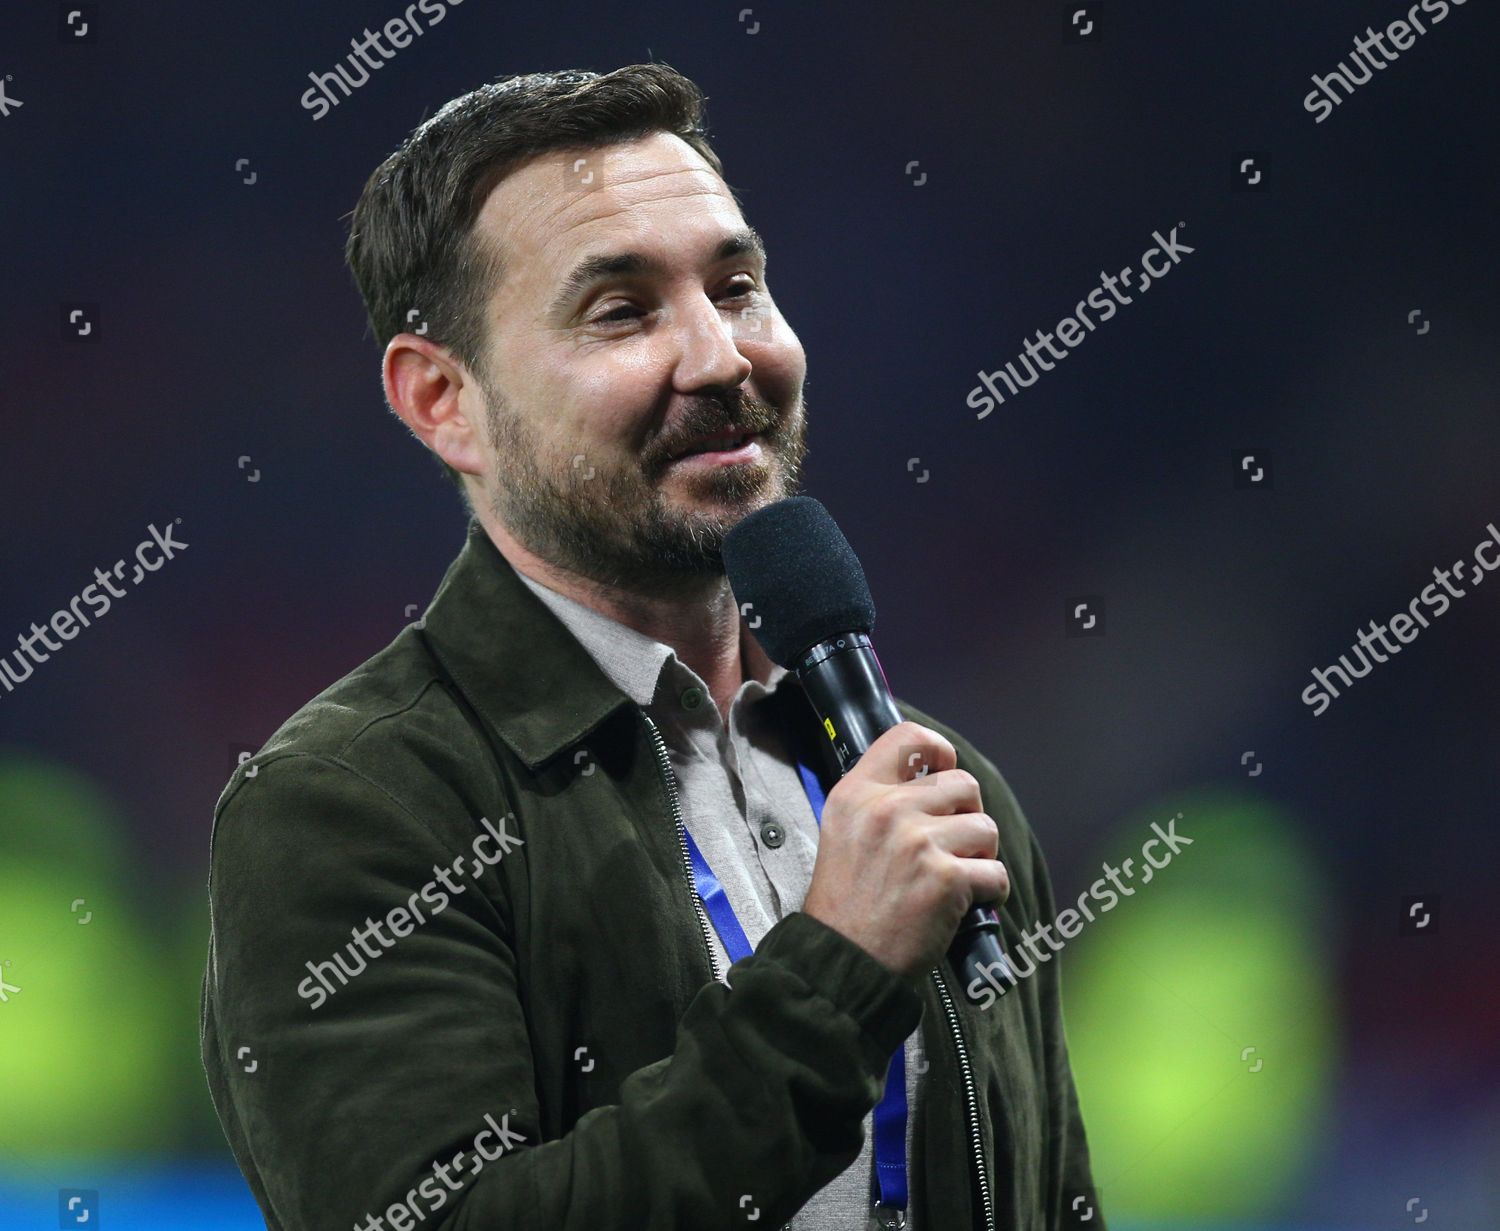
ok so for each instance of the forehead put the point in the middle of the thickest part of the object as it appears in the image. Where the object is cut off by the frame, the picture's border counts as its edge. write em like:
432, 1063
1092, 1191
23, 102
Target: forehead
656, 194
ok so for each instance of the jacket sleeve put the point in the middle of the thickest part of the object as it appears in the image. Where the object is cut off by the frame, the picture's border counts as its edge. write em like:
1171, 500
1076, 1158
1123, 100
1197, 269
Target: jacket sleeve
1072, 1202
368, 1110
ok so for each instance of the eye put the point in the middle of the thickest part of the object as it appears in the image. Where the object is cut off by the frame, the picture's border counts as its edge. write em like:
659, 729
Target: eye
614, 315
744, 288
740, 290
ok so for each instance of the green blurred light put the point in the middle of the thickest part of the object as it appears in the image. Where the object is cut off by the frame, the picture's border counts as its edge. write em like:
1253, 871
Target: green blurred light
1224, 950
82, 1061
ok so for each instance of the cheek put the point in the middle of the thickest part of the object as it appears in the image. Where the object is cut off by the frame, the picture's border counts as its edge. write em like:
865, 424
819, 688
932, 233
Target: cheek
780, 362
609, 397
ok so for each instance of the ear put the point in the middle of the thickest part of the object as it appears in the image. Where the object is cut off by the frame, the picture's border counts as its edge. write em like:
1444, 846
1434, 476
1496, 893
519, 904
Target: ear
432, 393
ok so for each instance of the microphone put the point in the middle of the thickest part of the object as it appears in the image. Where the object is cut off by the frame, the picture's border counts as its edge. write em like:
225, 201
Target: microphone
795, 575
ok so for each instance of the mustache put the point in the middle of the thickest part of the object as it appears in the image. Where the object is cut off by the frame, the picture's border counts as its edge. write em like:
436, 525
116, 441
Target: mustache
712, 417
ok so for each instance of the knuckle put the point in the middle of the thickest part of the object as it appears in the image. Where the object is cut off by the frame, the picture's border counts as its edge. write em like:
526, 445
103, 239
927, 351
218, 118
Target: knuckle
914, 843
916, 733
952, 877
885, 809
991, 832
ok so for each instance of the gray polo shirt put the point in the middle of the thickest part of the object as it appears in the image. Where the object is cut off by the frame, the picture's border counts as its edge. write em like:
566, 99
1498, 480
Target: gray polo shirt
744, 804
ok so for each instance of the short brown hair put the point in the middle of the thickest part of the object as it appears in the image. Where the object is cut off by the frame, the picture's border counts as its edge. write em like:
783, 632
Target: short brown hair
411, 244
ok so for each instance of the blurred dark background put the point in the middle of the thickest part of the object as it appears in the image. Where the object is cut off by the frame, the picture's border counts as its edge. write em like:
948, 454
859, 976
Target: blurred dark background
1263, 1037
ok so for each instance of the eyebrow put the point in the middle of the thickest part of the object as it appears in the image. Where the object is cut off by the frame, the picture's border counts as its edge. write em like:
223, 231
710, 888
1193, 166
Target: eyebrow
594, 269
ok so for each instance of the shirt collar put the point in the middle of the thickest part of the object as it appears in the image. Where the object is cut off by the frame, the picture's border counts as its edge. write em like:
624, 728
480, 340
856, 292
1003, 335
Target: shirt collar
521, 667
638, 664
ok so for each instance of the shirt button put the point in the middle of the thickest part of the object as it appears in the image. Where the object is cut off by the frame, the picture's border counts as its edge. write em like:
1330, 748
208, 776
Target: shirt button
772, 834
692, 698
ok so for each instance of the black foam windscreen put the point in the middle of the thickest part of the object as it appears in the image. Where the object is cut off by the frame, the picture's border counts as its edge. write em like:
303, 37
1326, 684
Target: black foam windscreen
792, 564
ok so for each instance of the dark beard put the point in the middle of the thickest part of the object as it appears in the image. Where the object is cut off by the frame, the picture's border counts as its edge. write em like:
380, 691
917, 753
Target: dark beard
617, 528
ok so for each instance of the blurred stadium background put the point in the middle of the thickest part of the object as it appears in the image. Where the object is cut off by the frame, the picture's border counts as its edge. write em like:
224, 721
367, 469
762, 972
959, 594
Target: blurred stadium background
1368, 1096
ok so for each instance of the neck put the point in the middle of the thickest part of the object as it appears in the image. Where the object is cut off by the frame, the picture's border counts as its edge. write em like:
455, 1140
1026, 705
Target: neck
700, 622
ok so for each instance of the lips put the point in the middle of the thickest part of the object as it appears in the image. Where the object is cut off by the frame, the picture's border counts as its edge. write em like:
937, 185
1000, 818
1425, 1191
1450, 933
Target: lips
721, 443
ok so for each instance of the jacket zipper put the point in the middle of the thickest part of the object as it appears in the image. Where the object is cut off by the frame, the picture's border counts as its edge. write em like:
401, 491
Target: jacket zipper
670, 783
970, 1097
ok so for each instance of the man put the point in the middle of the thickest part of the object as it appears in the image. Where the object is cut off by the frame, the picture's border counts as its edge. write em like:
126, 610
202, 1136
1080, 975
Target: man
457, 898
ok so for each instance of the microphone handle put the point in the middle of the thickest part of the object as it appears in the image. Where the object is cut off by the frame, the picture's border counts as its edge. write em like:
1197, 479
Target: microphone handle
843, 679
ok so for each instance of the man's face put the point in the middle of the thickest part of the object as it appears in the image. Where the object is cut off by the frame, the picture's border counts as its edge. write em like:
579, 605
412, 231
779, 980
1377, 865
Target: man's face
596, 384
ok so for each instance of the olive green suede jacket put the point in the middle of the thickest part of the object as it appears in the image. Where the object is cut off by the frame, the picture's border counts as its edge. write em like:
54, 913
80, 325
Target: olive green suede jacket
538, 976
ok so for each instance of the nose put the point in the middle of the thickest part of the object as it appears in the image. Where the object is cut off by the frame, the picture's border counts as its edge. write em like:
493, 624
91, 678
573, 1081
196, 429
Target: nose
708, 355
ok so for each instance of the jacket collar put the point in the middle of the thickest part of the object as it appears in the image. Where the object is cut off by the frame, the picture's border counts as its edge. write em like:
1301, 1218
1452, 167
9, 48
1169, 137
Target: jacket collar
521, 667
634, 661
515, 661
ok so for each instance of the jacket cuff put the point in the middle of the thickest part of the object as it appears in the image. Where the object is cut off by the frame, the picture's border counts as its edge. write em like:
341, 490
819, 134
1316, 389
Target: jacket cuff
886, 1005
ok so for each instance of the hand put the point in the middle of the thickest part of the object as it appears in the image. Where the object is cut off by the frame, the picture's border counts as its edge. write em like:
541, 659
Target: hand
902, 859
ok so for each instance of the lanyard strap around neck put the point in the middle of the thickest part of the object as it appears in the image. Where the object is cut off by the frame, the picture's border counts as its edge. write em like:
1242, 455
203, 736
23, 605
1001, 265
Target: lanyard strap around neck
889, 1180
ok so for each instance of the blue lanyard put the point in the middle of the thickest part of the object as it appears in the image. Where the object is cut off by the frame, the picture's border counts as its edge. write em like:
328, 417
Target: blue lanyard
889, 1181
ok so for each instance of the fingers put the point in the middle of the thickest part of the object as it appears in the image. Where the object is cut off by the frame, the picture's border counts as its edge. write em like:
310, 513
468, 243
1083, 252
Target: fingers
948, 790
969, 835
989, 882
901, 752
974, 839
